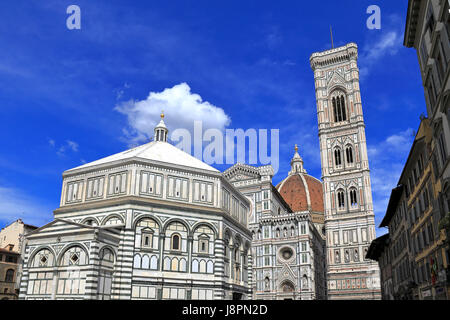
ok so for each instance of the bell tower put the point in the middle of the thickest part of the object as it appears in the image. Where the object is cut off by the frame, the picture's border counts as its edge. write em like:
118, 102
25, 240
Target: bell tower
349, 216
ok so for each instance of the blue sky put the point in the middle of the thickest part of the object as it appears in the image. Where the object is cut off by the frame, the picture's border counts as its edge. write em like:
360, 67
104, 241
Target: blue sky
73, 96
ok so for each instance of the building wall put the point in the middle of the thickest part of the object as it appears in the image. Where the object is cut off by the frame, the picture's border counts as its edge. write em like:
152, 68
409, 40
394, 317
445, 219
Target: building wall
431, 21
13, 237
134, 270
349, 227
8, 272
142, 244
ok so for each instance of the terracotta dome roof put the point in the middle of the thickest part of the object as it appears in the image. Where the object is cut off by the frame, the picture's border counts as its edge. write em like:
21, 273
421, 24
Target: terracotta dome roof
301, 191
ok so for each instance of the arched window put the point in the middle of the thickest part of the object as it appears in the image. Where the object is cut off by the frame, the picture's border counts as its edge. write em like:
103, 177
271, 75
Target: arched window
346, 256
44, 258
106, 256
9, 275
337, 157
341, 200
339, 109
356, 256
353, 200
335, 110
267, 284
74, 256
349, 154
147, 231
337, 259
203, 244
175, 242
236, 255
344, 114
287, 286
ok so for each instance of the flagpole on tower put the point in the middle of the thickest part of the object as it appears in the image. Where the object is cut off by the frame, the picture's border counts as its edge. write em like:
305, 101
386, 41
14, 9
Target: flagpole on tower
331, 33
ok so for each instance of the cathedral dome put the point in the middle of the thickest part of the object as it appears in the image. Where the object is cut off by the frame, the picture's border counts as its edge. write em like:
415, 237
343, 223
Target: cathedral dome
300, 190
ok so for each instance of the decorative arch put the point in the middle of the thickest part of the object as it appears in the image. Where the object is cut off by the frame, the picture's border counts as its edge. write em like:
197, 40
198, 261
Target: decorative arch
287, 286
110, 217
137, 261
85, 220
182, 264
147, 216
170, 221
206, 224
69, 247
50, 263
107, 253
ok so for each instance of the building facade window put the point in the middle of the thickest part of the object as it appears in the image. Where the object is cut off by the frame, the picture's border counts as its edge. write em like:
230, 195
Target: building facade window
349, 154
341, 200
175, 243
9, 275
337, 158
147, 239
353, 199
339, 109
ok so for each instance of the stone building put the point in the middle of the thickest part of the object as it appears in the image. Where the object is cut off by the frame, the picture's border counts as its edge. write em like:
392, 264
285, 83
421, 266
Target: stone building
12, 239
288, 247
416, 248
9, 260
427, 30
349, 216
14, 235
397, 248
151, 222
378, 251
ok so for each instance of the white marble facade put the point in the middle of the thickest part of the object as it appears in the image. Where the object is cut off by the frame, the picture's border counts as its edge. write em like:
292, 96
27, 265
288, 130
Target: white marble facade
287, 249
147, 223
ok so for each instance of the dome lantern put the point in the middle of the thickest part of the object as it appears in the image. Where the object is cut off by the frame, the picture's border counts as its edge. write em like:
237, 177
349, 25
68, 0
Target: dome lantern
161, 130
296, 163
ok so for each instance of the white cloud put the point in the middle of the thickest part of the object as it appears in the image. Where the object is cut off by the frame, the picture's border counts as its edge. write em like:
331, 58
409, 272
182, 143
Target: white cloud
389, 43
72, 145
387, 159
181, 108
14, 204
401, 140
377, 47
69, 145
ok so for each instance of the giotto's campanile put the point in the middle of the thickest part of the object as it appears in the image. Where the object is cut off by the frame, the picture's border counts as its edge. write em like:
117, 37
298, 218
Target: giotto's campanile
349, 216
